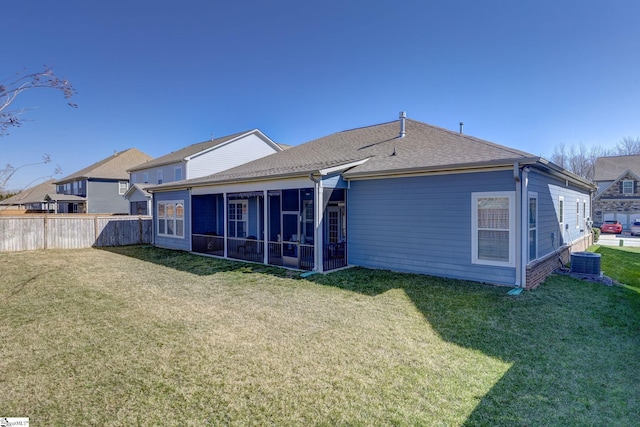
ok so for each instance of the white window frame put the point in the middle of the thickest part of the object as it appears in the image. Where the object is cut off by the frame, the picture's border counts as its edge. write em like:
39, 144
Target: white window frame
233, 220
534, 196
578, 219
627, 181
177, 173
561, 212
123, 186
168, 218
475, 197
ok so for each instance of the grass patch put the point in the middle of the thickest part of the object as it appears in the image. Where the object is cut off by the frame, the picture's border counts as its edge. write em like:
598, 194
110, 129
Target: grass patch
147, 336
620, 263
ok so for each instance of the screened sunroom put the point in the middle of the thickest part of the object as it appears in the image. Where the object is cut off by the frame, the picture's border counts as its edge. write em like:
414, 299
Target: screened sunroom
276, 227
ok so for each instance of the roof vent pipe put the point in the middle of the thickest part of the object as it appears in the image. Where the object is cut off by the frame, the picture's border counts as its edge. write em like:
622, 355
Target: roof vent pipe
403, 116
461, 127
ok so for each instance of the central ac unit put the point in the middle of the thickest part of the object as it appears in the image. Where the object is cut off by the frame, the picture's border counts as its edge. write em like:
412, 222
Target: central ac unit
585, 263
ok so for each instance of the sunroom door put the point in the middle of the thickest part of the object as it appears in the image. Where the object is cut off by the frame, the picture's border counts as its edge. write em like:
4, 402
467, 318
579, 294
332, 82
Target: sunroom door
290, 239
238, 213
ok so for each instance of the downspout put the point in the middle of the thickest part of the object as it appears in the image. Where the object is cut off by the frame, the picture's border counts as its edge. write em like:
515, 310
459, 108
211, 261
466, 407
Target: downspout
518, 260
317, 224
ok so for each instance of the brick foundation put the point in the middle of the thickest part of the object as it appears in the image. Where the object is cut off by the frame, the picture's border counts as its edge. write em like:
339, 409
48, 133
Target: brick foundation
539, 270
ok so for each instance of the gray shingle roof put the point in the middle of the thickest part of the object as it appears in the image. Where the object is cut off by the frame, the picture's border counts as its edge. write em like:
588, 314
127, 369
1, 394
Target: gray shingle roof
610, 168
35, 194
179, 155
183, 153
424, 147
113, 167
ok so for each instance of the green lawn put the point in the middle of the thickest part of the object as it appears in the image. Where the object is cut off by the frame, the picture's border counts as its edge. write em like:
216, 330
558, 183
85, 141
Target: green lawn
145, 336
622, 263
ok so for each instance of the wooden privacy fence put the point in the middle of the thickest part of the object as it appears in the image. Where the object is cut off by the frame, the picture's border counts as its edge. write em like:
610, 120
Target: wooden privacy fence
32, 232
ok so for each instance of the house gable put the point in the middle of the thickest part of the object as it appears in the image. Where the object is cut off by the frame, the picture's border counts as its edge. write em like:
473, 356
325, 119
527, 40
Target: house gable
206, 158
624, 187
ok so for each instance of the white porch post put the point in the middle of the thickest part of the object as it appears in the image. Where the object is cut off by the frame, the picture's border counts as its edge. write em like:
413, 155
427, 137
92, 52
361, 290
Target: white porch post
224, 225
190, 221
265, 228
318, 235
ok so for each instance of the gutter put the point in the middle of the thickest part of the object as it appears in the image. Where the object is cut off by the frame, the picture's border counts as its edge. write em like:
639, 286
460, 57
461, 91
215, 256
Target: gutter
463, 167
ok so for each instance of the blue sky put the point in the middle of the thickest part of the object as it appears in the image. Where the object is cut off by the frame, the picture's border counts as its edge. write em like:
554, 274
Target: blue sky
162, 75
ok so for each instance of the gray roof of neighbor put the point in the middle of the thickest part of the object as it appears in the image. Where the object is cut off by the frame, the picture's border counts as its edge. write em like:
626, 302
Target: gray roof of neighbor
179, 155
610, 168
424, 147
35, 194
113, 167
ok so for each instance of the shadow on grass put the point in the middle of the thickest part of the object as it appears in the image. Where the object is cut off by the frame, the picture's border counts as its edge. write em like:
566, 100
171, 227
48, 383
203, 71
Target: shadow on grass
196, 264
572, 345
569, 343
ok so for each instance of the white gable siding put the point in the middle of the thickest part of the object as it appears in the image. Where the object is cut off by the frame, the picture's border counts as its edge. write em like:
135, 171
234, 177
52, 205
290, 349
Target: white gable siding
167, 173
246, 149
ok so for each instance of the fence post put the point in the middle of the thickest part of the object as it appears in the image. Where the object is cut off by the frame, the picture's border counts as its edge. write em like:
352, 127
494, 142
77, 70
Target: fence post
45, 227
95, 230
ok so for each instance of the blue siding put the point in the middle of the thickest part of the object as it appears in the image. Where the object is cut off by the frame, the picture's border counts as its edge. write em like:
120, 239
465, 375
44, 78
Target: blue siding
421, 225
549, 191
103, 197
183, 243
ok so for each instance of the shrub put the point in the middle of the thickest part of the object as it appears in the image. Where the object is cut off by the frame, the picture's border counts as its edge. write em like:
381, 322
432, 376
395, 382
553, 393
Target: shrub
596, 234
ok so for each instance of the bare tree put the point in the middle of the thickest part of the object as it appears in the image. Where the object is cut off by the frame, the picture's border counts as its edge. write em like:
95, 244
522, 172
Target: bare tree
11, 117
628, 146
12, 87
8, 171
578, 159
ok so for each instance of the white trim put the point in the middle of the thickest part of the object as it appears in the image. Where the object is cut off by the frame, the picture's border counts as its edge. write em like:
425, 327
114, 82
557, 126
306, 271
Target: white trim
342, 167
510, 195
533, 195
245, 217
285, 184
121, 184
256, 132
578, 219
624, 181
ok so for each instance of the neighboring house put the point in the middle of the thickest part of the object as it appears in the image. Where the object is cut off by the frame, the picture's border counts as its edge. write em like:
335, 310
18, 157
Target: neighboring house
403, 196
33, 199
618, 197
195, 161
98, 188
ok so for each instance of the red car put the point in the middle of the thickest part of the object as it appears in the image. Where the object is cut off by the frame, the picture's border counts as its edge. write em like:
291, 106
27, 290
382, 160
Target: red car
611, 227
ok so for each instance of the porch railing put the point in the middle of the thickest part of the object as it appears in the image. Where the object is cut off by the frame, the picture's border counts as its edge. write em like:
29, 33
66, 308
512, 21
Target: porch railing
296, 255
248, 249
334, 256
291, 254
207, 244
